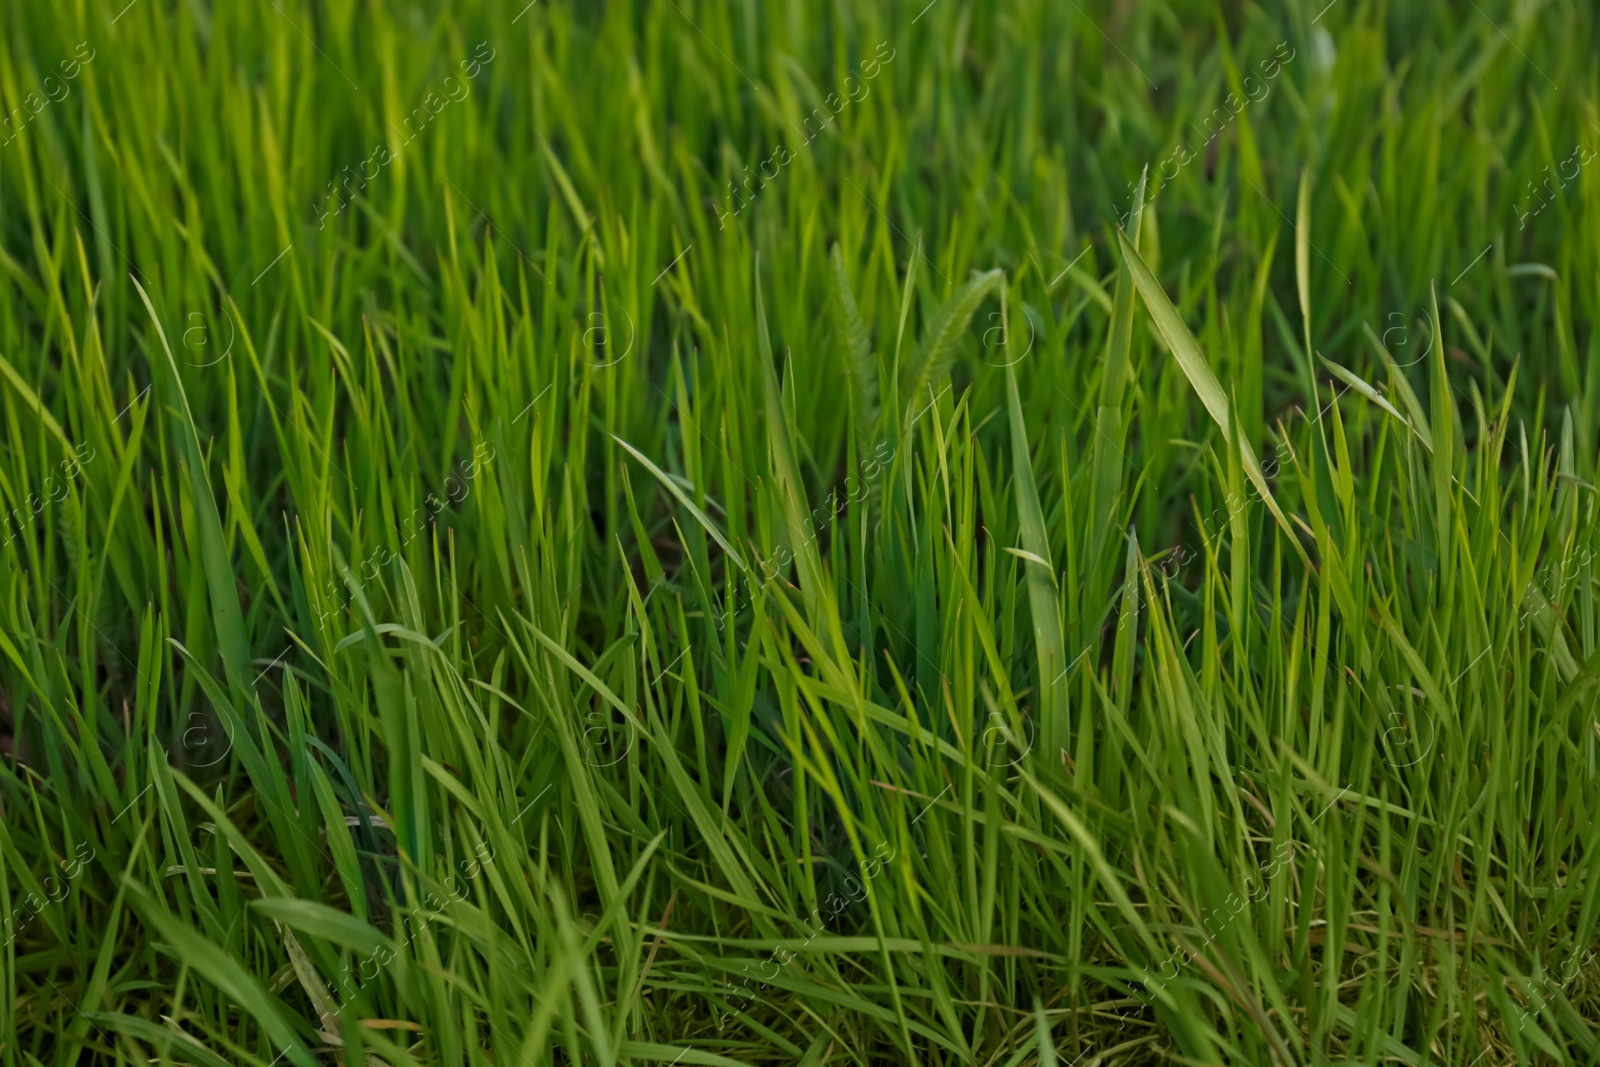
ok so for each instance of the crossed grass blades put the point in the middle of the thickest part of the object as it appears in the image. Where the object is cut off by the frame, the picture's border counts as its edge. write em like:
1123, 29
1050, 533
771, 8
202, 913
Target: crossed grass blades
975, 777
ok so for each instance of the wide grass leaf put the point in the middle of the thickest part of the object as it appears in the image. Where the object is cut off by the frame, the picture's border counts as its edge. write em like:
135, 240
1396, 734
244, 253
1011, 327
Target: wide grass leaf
1186, 350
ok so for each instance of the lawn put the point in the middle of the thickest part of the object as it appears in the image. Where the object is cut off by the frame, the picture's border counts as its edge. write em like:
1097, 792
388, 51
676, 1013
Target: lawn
1000, 533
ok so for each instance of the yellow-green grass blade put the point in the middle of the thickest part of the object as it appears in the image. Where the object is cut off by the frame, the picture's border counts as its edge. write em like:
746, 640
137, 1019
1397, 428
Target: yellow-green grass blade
1192, 360
225, 613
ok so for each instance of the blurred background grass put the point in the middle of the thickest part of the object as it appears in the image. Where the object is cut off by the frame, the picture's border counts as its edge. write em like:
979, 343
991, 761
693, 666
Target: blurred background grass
680, 533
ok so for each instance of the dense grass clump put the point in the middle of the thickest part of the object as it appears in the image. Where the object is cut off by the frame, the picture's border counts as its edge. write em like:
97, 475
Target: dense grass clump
750, 533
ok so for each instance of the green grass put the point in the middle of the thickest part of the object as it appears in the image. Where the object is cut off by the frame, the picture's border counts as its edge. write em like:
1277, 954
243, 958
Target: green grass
1028, 582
